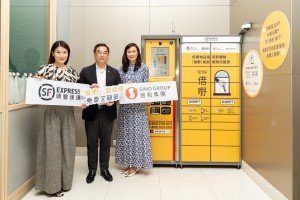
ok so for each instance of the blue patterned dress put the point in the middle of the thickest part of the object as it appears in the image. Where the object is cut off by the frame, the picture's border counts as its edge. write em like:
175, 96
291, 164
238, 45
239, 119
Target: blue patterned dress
133, 147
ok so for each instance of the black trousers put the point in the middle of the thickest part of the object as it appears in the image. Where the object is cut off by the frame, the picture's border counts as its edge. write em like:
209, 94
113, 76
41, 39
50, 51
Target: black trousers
100, 128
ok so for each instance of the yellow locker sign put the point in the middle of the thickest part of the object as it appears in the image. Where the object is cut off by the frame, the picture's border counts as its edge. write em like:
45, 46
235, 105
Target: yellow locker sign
195, 102
195, 74
194, 90
195, 110
196, 59
195, 54
210, 80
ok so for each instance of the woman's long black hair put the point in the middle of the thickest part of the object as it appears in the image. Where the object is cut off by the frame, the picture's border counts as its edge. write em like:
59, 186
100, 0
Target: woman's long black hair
125, 61
54, 46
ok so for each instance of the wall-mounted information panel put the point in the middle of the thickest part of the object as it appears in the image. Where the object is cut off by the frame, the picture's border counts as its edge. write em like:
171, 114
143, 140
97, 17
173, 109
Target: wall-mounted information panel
160, 54
210, 97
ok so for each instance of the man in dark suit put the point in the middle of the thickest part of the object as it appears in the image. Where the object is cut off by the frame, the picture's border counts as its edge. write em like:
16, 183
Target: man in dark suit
99, 119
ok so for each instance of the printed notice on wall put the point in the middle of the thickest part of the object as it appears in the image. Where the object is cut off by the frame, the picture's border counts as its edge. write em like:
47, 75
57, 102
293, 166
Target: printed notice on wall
275, 40
252, 73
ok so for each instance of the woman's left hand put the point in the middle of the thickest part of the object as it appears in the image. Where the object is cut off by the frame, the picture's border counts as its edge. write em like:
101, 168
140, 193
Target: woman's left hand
83, 106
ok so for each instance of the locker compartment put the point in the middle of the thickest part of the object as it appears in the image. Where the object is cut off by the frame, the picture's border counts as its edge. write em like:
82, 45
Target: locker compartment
196, 117
225, 126
230, 138
195, 110
225, 118
195, 153
225, 110
195, 137
162, 148
195, 125
225, 154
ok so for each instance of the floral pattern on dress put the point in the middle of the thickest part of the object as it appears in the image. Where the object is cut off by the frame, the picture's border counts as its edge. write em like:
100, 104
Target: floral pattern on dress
133, 147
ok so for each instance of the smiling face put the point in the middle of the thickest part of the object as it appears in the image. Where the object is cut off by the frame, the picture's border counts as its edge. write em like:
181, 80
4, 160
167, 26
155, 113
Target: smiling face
60, 55
132, 54
101, 56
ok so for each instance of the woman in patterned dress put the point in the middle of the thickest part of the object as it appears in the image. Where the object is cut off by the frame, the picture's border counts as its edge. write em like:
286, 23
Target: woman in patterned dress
56, 138
133, 147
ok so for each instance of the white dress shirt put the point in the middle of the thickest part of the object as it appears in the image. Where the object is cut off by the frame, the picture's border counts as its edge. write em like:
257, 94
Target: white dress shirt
101, 76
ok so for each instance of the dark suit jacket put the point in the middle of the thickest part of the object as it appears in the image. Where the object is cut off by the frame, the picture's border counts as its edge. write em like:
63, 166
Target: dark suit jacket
88, 76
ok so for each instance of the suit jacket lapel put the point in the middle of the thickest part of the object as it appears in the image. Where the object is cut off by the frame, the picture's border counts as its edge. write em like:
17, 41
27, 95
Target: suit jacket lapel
94, 74
107, 74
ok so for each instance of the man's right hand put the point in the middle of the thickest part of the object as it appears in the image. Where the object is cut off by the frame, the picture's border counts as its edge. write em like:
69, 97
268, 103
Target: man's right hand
83, 106
94, 85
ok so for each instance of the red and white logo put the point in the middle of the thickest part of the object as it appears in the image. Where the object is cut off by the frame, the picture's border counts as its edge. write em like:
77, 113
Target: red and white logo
131, 93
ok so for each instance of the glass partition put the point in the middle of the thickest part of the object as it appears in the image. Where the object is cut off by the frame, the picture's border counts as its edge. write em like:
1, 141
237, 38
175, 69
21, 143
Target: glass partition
28, 44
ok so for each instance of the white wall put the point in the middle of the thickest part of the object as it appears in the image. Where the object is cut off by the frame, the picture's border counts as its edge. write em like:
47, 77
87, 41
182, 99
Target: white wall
23, 125
119, 22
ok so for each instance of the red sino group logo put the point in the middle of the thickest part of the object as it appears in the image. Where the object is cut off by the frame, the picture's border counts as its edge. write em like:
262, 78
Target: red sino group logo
131, 93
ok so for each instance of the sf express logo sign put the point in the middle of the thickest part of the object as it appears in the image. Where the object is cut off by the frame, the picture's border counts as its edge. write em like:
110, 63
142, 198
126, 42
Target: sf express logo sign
46, 92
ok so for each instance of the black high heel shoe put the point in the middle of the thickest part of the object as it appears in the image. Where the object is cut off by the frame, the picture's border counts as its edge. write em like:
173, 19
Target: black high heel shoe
57, 194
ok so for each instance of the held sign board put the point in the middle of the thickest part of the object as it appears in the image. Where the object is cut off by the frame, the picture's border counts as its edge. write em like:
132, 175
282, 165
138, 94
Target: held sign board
49, 92
148, 92
101, 95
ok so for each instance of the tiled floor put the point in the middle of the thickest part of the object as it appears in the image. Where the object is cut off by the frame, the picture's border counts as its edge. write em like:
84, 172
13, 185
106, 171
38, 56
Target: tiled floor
161, 183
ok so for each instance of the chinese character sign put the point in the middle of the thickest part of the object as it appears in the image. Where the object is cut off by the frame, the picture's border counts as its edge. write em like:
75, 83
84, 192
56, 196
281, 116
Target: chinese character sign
252, 73
101, 95
49, 92
148, 92
275, 40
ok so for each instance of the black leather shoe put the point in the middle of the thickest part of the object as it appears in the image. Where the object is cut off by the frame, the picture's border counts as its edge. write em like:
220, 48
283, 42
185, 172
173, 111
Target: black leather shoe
106, 175
91, 176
